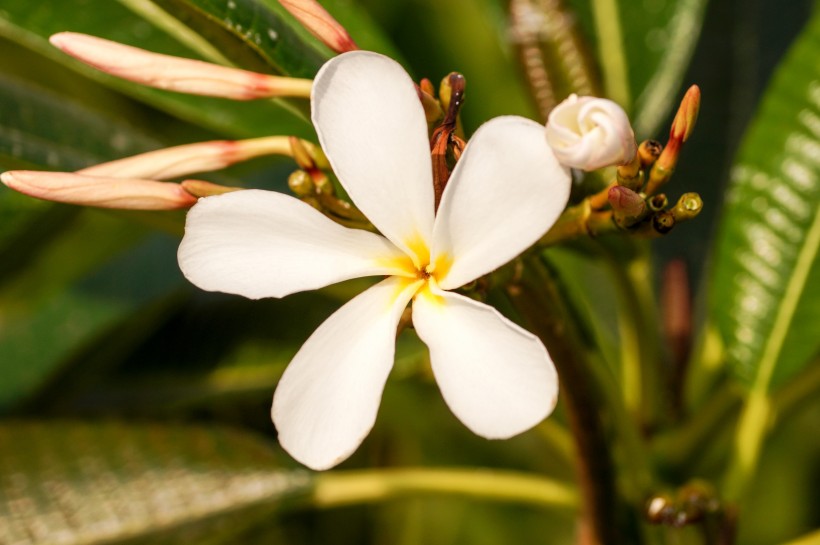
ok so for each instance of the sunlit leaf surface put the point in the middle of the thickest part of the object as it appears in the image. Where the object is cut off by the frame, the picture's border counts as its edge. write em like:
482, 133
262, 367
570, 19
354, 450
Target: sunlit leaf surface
75, 483
766, 280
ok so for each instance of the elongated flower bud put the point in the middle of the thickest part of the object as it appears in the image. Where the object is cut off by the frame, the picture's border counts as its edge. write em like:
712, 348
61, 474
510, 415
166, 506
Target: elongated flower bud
131, 194
176, 73
178, 161
321, 24
590, 133
682, 127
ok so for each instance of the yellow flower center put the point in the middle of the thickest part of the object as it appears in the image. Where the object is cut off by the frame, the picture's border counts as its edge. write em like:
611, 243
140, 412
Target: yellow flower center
417, 267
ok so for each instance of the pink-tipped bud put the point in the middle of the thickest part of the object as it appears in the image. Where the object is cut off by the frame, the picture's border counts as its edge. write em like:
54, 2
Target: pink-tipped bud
682, 127
626, 202
687, 115
321, 24
590, 133
128, 194
178, 161
176, 73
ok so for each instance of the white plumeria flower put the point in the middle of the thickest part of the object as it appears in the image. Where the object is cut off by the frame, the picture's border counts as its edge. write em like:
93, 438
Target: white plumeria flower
505, 192
590, 133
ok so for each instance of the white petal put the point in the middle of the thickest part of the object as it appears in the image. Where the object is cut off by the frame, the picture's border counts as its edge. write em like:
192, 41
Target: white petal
372, 127
496, 377
506, 191
265, 244
327, 400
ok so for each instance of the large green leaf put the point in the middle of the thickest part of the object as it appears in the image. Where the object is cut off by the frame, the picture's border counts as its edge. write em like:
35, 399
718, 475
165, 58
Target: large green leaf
765, 296
242, 26
643, 49
77, 483
30, 24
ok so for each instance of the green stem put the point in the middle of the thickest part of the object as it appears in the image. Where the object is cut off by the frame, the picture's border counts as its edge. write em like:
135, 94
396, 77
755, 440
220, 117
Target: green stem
681, 447
334, 489
537, 299
640, 342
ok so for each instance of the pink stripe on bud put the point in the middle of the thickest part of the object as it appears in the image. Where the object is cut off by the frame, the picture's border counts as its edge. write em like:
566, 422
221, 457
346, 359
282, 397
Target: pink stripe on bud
176, 73
321, 24
130, 194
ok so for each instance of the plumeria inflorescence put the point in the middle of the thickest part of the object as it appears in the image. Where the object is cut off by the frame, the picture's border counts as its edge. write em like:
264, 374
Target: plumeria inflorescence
429, 211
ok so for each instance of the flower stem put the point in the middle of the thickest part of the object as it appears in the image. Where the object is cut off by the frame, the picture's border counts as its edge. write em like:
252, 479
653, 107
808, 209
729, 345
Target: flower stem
334, 489
535, 297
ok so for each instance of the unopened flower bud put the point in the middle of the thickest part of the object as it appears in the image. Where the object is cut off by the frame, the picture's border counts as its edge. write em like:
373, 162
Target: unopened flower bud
426, 86
658, 202
176, 73
682, 127
649, 151
687, 115
660, 509
626, 202
201, 188
432, 107
322, 183
128, 194
307, 155
178, 161
321, 24
451, 88
167, 163
688, 206
590, 133
301, 183
663, 222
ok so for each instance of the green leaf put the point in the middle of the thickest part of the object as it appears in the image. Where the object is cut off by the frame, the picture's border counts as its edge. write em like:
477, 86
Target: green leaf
364, 30
643, 49
30, 137
30, 24
80, 483
765, 294
88, 272
238, 27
